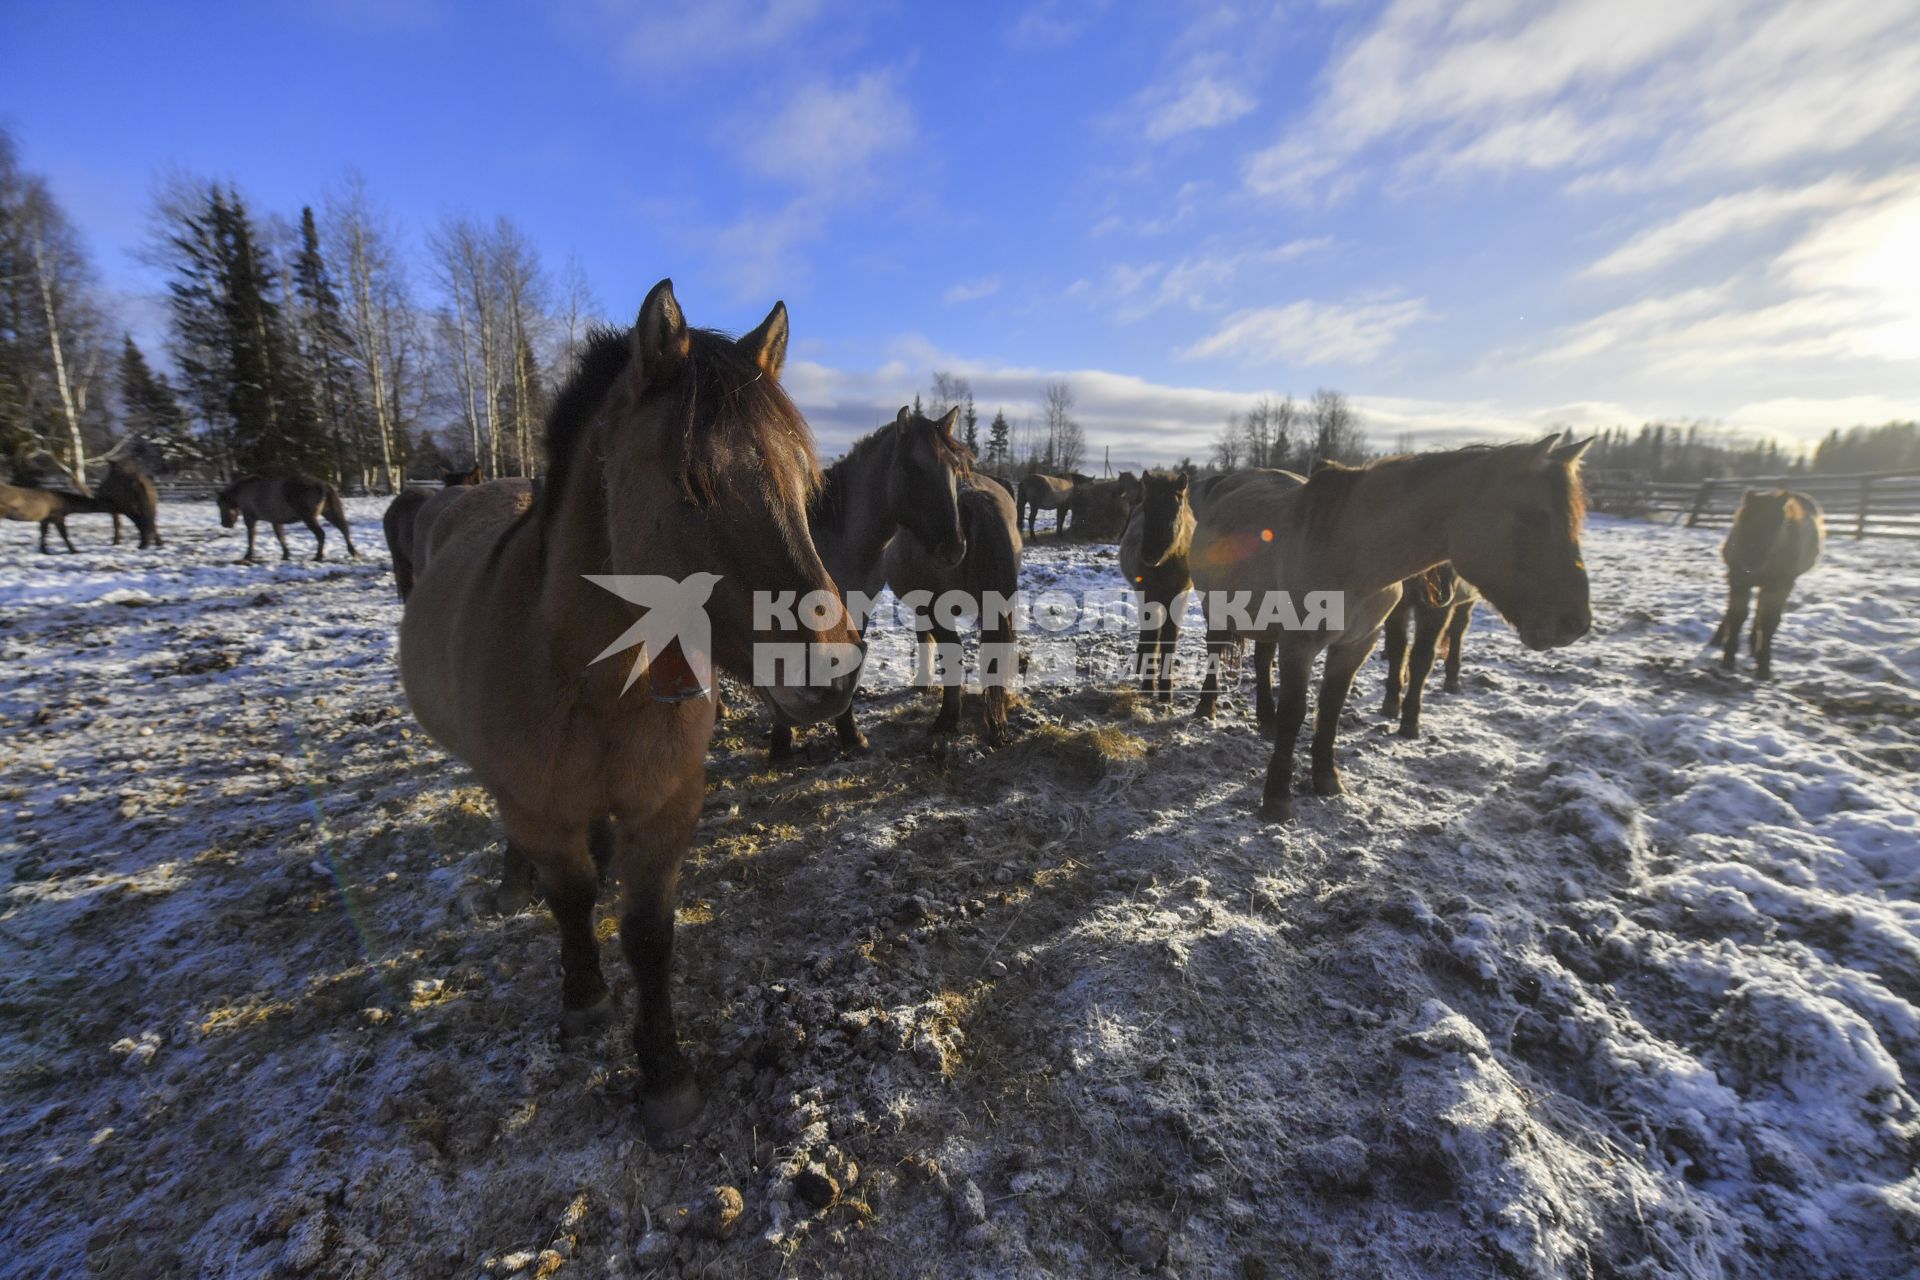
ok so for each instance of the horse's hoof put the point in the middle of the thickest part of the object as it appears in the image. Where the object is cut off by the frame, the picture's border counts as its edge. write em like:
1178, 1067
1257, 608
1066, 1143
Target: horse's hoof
1409, 730
580, 1022
1451, 686
1390, 709
1203, 712
1276, 810
857, 746
1328, 784
664, 1113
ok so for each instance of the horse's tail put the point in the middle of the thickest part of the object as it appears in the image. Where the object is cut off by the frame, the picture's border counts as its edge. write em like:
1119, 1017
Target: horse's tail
398, 524
336, 513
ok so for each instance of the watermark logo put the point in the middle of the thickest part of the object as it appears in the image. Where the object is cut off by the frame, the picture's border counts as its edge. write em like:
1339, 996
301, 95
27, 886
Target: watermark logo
1061, 634
676, 611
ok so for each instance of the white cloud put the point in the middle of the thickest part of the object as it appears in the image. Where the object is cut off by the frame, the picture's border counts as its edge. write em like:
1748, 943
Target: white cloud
1198, 283
826, 136
1846, 290
1310, 333
1620, 92
1200, 103
1151, 423
1720, 219
972, 290
675, 39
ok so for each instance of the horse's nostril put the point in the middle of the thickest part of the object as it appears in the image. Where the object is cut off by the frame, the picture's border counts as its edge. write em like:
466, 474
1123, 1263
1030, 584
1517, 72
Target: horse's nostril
1576, 623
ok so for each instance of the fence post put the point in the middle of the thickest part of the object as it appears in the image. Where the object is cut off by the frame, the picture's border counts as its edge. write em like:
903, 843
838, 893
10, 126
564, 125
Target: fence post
1699, 503
1866, 500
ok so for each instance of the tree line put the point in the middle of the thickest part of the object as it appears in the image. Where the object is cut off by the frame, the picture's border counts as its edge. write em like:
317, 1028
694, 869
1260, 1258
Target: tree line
1292, 436
291, 343
1689, 452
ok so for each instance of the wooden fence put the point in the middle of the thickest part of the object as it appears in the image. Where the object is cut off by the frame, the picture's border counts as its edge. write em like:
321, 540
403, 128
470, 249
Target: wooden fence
1877, 504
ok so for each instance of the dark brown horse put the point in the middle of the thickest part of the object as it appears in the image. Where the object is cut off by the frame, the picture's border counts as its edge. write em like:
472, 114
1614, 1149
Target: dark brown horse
1039, 493
290, 499
904, 476
679, 467
398, 521
1776, 536
50, 507
1318, 568
983, 584
1153, 556
131, 493
1099, 509
1439, 605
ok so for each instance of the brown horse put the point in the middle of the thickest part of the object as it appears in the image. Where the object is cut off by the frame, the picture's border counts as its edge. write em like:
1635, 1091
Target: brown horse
1039, 493
289, 499
131, 493
903, 476
1214, 487
1321, 565
1099, 509
50, 507
987, 577
1776, 536
401, 517
1153, 556
1439, 603
678, 463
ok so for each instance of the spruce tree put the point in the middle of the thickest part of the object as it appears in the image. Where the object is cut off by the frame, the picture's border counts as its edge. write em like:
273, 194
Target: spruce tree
999, 440
970, 432
152, 412
327, 348
275, 427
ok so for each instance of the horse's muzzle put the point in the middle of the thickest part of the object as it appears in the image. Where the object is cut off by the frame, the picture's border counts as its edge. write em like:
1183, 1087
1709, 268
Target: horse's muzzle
1557, 630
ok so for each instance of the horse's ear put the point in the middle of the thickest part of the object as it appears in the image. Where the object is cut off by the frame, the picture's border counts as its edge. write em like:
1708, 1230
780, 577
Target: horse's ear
948, 423
1571, 451
1541, 450
768, 344
660, 337
1183, 478
906, 413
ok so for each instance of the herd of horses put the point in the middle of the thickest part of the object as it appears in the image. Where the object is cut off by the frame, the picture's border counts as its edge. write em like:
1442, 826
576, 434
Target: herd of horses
675, 452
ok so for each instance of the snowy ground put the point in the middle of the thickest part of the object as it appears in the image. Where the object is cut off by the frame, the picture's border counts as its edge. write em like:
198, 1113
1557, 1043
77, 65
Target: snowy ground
1613, 973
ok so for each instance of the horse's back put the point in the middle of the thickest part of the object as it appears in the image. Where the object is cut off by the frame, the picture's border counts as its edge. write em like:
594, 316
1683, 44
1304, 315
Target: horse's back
1238, 536
464, 513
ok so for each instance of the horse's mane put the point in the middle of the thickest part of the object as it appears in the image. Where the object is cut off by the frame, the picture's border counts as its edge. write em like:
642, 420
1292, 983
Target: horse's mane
1329, 488
723, 409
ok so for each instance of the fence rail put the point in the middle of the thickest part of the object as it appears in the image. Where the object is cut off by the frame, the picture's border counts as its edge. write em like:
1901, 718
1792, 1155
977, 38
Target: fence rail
1875, 504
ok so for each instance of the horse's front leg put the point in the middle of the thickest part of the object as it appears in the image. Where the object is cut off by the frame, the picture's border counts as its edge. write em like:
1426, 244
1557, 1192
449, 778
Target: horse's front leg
1765, 623
1728, 636
1169, 648
780, 739
116, 530
1456, 640
650, 847
1219, 642
280, 532
953, 675
1427, 626
248, 558
1263, 712
1276, 799
1395, 654
558, 852
62, 526
1343, 659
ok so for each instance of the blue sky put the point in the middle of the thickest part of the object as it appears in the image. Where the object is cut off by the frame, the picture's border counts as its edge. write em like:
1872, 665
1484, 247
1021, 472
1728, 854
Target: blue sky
1477, 218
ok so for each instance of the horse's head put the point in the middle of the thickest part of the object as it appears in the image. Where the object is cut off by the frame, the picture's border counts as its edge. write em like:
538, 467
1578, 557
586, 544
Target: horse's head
923, 490
1163, 498
454, 479
1518, 540
708, 468
229, 502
